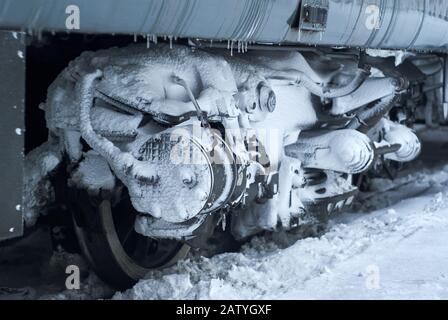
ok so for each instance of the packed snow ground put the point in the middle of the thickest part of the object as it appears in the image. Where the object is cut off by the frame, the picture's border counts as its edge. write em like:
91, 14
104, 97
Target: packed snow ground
394, 247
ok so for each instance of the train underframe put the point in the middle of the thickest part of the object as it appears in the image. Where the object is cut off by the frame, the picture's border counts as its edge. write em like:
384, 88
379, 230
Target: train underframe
153, 151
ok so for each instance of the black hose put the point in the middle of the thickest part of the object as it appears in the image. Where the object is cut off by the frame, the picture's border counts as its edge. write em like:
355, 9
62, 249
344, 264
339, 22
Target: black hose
367, 118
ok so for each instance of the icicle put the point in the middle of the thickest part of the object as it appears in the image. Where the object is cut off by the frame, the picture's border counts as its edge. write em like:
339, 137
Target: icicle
148, 42
246, 46
238, 46
224, 222
135, 37
211, 43
154, 39
231, 48
228, 44
171, 42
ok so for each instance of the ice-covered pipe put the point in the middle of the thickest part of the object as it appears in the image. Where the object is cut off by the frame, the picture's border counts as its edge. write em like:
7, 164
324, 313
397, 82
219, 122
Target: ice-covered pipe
123, 163
372, 90
367, 118
329, 92
334, 92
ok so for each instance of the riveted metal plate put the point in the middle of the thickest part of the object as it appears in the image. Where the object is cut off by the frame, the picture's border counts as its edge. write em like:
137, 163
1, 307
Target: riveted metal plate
12, 135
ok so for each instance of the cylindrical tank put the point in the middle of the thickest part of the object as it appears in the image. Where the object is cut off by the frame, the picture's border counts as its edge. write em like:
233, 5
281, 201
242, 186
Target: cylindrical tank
385, 24
239, 20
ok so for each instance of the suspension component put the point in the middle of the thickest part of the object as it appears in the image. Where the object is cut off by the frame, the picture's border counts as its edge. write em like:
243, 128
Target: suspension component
367, 118
371, 90
344, 150
398, 134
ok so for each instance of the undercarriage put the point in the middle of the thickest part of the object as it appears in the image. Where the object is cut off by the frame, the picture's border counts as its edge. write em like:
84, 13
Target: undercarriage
154, 150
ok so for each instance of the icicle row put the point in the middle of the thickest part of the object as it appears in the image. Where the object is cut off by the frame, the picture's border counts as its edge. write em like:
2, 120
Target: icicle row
241, 46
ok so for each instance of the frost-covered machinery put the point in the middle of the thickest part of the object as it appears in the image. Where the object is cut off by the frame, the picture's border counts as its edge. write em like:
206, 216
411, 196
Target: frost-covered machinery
161, 146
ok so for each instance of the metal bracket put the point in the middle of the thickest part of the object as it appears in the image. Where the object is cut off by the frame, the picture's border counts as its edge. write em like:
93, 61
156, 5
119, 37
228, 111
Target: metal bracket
314, 15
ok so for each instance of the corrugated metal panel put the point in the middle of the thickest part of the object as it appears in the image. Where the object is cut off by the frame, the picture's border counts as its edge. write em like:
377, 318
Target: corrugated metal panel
403, 24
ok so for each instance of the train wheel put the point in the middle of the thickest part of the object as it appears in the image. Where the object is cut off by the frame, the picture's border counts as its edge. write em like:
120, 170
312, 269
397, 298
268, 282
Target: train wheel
119, 255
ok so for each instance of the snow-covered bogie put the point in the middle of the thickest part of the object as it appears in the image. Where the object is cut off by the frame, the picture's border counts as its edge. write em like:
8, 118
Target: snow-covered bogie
180, 129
